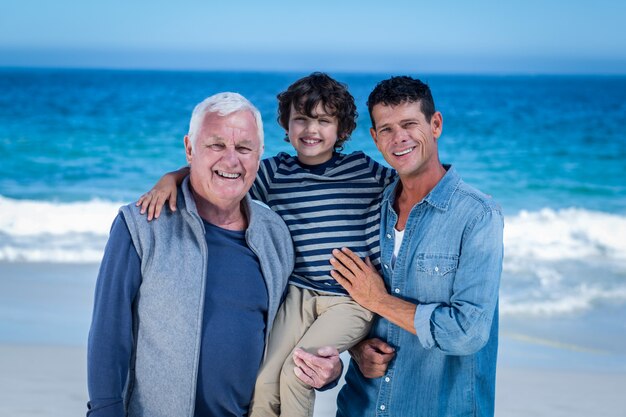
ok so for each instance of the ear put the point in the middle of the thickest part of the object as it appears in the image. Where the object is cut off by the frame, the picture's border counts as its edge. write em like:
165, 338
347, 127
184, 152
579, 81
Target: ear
436, 124
258, 165
188, 149
373, 135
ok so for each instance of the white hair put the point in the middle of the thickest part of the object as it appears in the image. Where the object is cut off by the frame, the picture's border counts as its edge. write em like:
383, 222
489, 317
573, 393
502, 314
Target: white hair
223, 104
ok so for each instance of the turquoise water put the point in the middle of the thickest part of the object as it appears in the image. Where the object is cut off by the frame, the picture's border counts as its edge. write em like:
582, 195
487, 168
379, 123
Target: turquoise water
75, 144
531, 142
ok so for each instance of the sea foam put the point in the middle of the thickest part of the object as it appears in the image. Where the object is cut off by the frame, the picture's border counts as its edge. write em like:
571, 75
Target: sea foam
42, 231
572, 233
556, 261
563, 261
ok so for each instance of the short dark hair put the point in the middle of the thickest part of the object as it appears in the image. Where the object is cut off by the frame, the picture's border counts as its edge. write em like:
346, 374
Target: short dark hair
306, 93
398, 90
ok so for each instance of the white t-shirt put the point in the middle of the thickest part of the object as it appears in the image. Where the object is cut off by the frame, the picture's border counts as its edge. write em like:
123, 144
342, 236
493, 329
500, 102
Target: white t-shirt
397, 242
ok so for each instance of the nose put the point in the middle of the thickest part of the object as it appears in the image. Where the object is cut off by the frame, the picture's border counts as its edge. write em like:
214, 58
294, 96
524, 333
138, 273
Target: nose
230, 156
399, 136
311, 126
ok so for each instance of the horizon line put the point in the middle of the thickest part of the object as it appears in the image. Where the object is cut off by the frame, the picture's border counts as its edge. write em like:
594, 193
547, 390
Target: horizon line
355, 62
248, 70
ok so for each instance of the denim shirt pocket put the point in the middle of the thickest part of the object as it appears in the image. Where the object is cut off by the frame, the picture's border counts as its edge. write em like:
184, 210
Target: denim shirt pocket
435, 276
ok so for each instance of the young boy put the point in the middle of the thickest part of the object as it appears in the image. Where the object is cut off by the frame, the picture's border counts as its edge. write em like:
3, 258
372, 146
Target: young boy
328, 200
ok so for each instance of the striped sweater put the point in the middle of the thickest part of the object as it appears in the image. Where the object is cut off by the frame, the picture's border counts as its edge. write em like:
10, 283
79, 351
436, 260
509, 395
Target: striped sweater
327, 206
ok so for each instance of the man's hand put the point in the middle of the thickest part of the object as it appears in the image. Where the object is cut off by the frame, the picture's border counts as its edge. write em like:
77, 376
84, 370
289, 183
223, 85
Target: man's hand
317, 370
373, 357
359, 278
154, 200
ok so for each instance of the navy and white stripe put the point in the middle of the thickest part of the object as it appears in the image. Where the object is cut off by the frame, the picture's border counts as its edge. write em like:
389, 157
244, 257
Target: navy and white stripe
326, 206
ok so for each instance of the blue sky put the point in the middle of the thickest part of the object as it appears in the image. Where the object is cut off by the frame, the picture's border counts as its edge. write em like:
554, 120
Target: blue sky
567, 37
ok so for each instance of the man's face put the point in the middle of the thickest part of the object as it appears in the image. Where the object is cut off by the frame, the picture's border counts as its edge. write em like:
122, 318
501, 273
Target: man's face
407, 141
225, 157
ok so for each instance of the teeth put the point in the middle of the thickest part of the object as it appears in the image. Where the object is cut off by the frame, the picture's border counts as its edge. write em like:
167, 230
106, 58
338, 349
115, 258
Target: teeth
228, 175
311, 141
403, 152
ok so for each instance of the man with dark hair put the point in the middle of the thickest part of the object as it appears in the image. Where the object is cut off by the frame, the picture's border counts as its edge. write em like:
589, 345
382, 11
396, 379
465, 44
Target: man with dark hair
432, 351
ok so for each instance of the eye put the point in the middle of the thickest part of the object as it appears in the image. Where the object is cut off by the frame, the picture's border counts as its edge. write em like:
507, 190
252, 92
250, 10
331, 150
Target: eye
216, 146
243, 149
409, 125
325, 121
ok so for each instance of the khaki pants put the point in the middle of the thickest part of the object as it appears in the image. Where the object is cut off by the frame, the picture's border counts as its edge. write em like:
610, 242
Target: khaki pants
309, 320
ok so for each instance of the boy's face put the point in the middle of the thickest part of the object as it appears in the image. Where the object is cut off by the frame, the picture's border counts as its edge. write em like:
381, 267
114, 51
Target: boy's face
313, 138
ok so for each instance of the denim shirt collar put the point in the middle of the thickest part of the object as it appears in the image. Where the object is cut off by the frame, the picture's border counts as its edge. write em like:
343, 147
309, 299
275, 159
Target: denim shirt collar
439, 197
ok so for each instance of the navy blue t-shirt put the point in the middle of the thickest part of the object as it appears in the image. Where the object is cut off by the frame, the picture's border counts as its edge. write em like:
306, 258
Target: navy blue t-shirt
233, 328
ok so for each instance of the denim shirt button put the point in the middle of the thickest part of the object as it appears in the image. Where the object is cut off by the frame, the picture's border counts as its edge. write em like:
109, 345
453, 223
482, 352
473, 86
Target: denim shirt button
436, 269
397, 290
382, 407
388, 236
386, 267
387, 379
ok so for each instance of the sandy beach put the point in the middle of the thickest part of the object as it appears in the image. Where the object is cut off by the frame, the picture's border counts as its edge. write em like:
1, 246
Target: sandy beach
548, 366
50, 381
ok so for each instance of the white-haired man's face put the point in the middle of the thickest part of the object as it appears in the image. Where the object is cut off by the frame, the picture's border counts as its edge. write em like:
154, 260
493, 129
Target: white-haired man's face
225, 157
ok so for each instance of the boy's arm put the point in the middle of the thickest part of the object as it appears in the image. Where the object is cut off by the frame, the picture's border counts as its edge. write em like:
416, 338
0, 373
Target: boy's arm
165, 189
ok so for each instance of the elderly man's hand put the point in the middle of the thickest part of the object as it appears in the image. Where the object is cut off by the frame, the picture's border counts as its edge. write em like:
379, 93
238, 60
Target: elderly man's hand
317, 370
373, 357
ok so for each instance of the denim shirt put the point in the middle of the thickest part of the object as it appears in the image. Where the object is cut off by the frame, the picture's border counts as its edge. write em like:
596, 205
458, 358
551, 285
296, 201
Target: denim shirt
449, 265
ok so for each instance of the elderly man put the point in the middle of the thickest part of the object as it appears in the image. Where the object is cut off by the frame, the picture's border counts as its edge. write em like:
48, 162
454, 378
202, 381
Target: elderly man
184, 304
432, 351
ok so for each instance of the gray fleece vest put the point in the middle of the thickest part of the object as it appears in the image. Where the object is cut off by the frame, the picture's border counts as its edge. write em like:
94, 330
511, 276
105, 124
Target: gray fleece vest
167, 314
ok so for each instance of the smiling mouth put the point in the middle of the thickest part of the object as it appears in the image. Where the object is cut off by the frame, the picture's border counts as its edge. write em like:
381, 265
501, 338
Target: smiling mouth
230, 176
310, 141
404, 152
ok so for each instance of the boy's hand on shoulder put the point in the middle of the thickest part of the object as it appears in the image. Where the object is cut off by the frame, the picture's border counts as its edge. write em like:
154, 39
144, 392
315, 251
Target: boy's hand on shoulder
153, 201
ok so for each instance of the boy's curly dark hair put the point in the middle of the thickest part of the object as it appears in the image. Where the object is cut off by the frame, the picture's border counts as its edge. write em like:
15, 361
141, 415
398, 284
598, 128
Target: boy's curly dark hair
398, 90
307, 92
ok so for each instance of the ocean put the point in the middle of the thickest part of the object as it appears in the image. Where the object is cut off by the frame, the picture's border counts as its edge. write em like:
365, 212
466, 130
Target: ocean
77, 144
